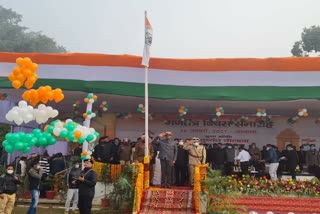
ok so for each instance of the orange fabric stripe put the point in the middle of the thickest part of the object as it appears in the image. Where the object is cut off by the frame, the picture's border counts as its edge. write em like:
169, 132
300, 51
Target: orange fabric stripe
147, 22
215, 64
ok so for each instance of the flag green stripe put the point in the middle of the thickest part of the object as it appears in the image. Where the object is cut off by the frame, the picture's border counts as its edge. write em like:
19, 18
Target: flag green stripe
235, 93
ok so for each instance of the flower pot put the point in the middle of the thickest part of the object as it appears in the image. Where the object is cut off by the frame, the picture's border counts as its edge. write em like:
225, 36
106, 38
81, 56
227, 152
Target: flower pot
50, 194
104, 202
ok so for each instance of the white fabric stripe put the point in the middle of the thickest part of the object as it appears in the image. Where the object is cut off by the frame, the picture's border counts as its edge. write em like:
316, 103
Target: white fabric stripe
171, 77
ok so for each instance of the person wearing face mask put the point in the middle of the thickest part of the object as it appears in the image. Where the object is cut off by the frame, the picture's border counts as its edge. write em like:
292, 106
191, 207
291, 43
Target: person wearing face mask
34, 176
115, 151
8, 189
272, 157
292, 161
181, 165
229, 159
125, 152
312, 159
168, 155
197, 155
73, 188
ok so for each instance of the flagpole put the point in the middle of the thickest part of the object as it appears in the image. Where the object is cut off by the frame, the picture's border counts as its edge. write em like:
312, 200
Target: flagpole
146, 102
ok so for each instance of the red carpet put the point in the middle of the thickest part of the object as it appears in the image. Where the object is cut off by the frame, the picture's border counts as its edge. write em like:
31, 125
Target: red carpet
280, 205
168, 201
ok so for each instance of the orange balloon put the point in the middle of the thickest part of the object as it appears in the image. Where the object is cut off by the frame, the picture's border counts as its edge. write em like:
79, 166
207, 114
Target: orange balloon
20, 61
305, 114
86, 100
77, 134
26, 96
85, 115
16, 84
59, 98
11, 77
33, 102
95, 97
44, 99
28, 84
48, 88
16, 71
27, 72
34, 66
27, 61
50, 95
21, 77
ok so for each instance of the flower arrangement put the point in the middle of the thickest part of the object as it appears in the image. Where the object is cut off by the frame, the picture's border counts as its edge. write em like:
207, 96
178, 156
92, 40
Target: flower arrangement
138, 173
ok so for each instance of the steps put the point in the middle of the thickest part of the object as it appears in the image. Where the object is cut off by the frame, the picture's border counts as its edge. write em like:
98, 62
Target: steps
280, 205
168, 201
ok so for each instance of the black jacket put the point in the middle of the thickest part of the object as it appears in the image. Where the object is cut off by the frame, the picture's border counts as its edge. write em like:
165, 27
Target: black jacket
8, 184
115, 153
73, 175
34, 179
182, 157
87, 186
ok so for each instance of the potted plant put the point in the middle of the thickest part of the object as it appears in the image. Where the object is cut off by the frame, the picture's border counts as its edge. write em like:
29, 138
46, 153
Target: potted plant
105, 177
49, 184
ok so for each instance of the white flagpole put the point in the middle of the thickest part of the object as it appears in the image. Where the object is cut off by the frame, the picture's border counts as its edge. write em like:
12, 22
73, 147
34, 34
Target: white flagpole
146, 102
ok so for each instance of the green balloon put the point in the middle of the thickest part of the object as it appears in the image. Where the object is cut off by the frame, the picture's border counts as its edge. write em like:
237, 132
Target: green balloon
33, 141
139, 110
19, 146
51, 140
83, 157
81, 140
27, 138
37, 144
9, 148
43, 141
46, 135
26, 149
9, 137
70, 136
186, 109
36, 132
90, 137
70, 126
15, 138
97, 135
50, 129
63, 134
5, 143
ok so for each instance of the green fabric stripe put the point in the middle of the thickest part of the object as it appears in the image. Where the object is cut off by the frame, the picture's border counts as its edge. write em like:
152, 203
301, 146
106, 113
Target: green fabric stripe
250, 93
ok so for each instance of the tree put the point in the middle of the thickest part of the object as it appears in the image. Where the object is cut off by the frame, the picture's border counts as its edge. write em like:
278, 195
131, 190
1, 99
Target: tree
309, 43
17, 38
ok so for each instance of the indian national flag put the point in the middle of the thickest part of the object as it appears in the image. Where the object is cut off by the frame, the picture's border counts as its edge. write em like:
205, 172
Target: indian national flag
147, 43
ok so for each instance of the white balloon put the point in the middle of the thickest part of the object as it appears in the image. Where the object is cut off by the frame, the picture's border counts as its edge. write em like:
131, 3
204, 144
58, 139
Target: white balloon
54, 113
56, 131
41, 107
300, 113
304, 110
93, 114
258, 114
9, 117
28, 118
91, 100
218, 113
18, 120
104, 102
140, 105
23, 104
69, 120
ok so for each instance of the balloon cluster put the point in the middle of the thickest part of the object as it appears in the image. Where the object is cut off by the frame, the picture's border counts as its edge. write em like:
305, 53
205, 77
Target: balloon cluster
123, 115
140, 108
26, 113
76, 107
43, 94
89, 114
104, 106
219, 111
261, 112
303, 112
3, 96
91, 98
244, 119
85, 155
23, 142
24, 73
183, 111
72, 132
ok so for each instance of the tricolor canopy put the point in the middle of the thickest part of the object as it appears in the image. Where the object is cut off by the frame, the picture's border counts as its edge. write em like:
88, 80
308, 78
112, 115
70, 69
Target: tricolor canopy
246, 79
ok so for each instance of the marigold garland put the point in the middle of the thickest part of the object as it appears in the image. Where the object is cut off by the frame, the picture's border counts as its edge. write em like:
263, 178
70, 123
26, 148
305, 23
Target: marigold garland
200, 173
116, 170
138, 187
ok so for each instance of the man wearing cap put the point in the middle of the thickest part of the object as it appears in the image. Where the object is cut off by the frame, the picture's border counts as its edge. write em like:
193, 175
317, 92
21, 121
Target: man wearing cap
197, 155
86, 183
168, 155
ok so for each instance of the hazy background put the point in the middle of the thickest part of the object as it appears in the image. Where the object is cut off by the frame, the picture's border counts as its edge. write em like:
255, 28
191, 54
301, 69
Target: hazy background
182, 28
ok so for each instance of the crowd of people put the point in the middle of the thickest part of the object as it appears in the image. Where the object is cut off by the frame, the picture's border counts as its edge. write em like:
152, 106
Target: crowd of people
177, 159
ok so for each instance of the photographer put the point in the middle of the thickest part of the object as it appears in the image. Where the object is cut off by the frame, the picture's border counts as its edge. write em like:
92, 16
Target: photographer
73, 189
34, 176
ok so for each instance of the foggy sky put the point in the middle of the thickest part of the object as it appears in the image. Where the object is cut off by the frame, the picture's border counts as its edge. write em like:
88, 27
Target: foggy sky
182, 28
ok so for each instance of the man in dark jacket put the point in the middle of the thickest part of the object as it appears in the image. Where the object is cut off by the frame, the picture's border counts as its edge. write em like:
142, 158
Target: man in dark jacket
168, 155
34, 175
98, 152
87, 182
220, 158
73, 189
181, 165
292, 160
115, 151
273, 159
8, 189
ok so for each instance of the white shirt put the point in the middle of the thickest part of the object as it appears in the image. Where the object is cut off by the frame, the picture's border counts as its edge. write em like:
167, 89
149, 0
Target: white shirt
243, 156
